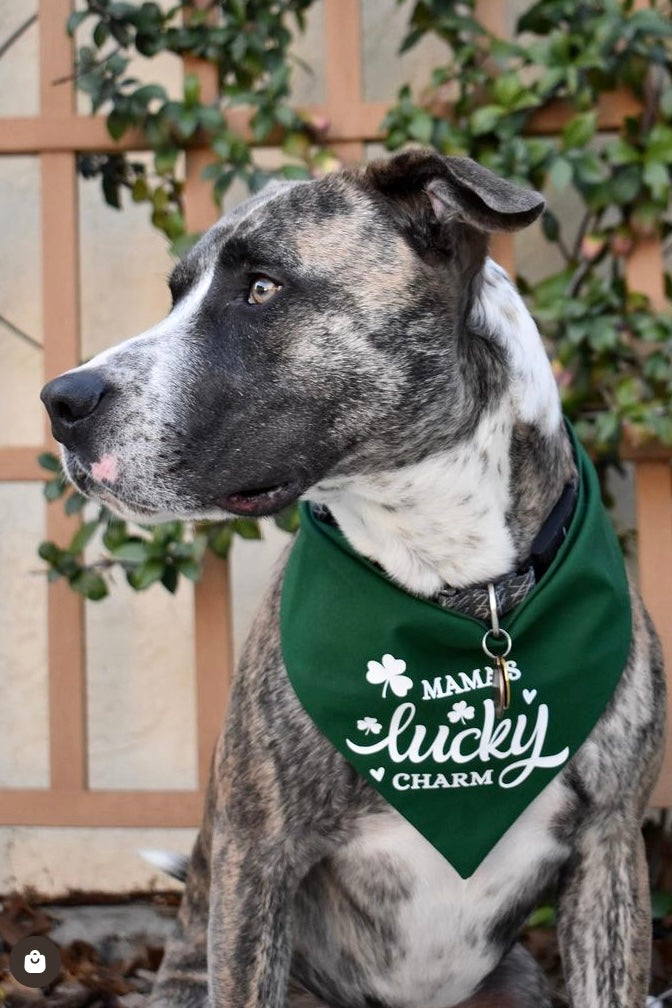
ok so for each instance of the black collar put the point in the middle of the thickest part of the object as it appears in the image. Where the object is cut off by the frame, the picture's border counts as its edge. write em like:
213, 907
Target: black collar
553, 531
512, 588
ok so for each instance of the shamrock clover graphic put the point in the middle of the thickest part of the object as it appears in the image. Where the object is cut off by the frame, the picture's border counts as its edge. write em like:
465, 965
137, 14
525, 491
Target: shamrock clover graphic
370, 724
389, 670
461, 712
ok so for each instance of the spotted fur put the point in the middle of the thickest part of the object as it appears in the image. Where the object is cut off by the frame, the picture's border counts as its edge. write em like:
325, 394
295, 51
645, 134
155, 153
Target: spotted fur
396, 376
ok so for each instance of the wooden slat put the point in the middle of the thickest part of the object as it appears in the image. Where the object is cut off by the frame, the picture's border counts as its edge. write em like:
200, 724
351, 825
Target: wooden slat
612, 108
20, 463
213, 632
23, 135
355, 123
654, 509
58, 133
63, 807
492, 15
645, 270
343, 79
503, 251
654, 549
650, 452
56, 59
60, 309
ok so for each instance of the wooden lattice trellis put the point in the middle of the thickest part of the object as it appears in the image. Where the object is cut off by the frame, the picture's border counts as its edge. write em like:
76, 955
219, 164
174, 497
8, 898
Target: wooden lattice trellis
56, 135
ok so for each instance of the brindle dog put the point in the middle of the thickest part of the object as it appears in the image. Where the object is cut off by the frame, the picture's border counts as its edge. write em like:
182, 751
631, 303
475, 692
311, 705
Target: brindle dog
347, 340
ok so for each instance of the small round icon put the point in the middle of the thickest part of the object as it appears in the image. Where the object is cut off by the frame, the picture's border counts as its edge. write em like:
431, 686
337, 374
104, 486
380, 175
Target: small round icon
35, 961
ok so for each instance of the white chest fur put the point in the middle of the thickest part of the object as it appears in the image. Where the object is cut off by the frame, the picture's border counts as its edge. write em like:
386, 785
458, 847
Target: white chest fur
444, 944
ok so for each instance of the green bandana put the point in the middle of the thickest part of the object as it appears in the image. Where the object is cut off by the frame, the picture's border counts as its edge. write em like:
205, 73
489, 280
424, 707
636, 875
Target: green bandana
402, 688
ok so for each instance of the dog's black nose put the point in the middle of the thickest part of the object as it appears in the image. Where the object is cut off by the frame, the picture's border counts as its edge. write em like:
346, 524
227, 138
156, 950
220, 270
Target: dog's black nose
70, 399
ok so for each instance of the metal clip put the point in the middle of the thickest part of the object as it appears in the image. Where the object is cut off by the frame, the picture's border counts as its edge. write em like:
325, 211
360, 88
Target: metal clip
502, 683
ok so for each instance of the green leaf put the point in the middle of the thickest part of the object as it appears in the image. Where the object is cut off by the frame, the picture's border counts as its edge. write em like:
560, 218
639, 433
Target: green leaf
49, 461
115, 534
170, 579
247, 528
133, 551
192, 89
183, 244
169, 531
602, 334
485, 119
296, 145
199, 546
550, 80
75, 503
83, 536
620, 152
101, 33
164, 162
657, 177
287, 519
150, 92
628, 392
190, 568
75, 20
579, 130
607, 428
561, 173
140, 190
220, 542
661, 904
421, 126
142, 577
117, 124
507, 88
626, 183
542, 917
54, 489
666, 102
49, 551
550, 226
186, 121
589, 170
90, 584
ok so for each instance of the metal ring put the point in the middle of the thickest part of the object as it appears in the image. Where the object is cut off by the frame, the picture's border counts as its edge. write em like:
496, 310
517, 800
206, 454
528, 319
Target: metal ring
494, 654
494, 614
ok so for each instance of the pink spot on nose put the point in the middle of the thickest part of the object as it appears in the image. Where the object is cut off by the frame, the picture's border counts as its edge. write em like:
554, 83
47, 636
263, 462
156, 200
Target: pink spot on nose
105, 469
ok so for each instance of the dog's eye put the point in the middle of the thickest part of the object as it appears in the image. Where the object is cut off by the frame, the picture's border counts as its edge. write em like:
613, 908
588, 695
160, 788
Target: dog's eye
262, 290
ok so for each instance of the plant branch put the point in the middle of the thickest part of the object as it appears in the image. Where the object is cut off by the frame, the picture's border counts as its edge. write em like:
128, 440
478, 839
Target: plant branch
30, 340
581, 234
77, 74
16, 35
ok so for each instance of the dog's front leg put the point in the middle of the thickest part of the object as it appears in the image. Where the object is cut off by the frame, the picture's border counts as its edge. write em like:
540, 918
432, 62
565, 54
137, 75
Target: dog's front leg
182, 981
249, 939
604, 923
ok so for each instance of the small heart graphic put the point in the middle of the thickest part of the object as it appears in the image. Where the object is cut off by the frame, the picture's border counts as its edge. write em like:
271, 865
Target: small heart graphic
378, 773
529, 695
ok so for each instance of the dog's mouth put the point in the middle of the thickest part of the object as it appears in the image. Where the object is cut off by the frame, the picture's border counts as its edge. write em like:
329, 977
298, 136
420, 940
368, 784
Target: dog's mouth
256, 502
100, 490
252, 502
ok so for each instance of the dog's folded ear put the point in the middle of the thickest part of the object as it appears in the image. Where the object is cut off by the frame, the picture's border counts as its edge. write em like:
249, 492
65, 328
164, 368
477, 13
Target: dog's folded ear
457, 189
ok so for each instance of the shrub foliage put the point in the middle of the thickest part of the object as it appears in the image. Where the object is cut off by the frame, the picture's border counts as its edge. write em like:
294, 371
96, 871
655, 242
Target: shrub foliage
612, 352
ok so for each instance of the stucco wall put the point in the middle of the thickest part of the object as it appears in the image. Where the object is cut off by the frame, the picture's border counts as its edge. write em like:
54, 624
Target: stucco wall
140, 646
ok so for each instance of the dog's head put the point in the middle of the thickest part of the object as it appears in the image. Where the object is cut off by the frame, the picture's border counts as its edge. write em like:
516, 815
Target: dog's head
322, 328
